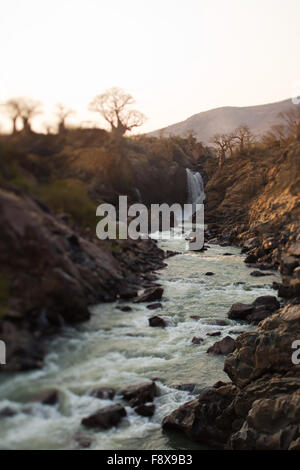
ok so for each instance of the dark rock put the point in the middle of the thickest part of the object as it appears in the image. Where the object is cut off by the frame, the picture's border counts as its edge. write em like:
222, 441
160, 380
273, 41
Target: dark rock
215, 333
260, 274
83, 440
106, 393
195, 317
227, 254
47, 397
205, 419
225, 346
196, 340
268, 302
261, 308
150, 295
240, 311
139, 394
154, 306
209, 274
250, 259
219, 384
157, 322
145, 410
186, 387
125, 309
8, 412
236, 332
170, 253
105, 418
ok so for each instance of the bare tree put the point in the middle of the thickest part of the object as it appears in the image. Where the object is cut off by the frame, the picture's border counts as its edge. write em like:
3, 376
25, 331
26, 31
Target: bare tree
114, 107
14, 109
292, 122
63, 112
221, 142
244, 136
29, 109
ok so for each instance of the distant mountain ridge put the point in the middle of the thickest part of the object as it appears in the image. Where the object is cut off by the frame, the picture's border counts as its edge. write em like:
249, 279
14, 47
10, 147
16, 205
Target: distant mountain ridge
206, 124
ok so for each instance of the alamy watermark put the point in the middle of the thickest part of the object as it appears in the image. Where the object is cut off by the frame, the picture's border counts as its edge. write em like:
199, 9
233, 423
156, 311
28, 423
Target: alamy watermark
138, 221
2, 353
296, 353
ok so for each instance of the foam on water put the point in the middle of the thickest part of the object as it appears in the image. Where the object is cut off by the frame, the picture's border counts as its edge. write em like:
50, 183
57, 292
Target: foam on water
118, 349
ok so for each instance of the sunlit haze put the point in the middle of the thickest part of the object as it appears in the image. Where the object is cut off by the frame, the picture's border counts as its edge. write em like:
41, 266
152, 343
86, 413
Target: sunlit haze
176, 57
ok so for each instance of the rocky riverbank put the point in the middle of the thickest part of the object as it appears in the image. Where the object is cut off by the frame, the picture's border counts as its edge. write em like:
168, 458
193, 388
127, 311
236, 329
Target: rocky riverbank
50, 275
259, 407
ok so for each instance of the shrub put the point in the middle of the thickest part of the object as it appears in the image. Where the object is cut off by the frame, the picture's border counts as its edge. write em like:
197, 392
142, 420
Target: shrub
69, 196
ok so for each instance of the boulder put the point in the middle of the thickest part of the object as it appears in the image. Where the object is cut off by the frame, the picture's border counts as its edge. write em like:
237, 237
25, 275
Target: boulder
224, 347
240, 311
150, 295
105, 418
197, 340
125, 309
140, 394
157, 322
260, 274
205, 419
260, 309
209, 274
215, 333
154, 306
145, 410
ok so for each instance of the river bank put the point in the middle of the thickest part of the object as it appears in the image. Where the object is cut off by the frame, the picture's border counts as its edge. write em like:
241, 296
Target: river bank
117, 349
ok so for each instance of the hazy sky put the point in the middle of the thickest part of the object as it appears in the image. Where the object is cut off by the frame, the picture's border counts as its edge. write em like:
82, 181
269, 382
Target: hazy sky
176, 57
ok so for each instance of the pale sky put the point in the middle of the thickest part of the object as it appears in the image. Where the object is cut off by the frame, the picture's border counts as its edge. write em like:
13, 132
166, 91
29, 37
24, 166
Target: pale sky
176, 57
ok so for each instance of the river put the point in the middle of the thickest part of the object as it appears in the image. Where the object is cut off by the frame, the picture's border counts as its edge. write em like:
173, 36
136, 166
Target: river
119, 349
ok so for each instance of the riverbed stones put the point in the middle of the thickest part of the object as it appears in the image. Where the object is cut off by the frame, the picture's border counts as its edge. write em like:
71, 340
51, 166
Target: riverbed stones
197, 340
104, 393
146, 410
154, 306
224, 347
150, 295
157, 322
260, 309
139, 394
260, 274
105, 418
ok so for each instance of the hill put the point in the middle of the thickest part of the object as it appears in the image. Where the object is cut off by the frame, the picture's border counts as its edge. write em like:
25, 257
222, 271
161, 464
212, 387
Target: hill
224, 120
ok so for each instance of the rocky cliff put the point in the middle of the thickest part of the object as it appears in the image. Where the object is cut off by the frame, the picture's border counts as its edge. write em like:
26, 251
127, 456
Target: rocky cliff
255, 202
50, 275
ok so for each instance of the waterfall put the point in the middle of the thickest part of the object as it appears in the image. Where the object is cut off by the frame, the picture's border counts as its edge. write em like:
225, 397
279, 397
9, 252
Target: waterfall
195, 186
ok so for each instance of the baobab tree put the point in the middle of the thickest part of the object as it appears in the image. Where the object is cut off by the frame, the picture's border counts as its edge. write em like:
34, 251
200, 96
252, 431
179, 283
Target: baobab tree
244, 136
221, 142
29, 109
114, 106
63, 112
23, 109
14, 110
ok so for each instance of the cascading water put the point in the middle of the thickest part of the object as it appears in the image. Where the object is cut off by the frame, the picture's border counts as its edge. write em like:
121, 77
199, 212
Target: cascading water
195, 186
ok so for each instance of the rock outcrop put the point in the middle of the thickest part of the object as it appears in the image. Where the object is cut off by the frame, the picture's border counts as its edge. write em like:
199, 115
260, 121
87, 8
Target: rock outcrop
52, 275
259, 409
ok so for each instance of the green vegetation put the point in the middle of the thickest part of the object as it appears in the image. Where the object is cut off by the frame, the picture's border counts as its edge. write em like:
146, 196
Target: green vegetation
69, 196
